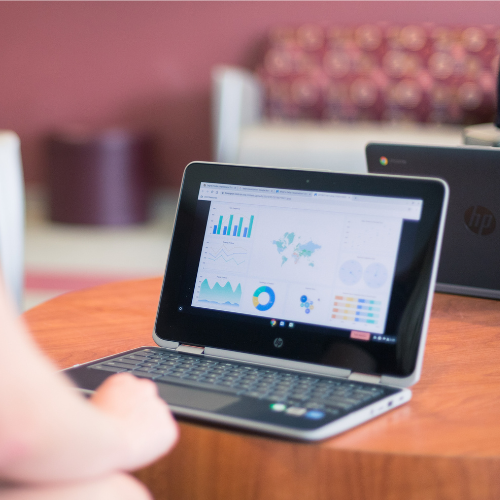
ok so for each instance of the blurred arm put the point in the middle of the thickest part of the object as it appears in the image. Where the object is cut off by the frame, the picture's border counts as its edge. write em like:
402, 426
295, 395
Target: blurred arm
50, 433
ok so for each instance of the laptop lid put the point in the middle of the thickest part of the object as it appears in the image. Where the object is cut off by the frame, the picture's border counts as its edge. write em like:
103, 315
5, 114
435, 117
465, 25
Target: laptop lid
329, 271
471, 243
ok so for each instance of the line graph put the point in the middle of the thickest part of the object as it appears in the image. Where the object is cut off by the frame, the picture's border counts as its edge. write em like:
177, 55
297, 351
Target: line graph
227, 255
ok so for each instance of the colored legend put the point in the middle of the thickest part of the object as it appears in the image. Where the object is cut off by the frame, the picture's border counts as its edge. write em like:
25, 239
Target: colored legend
356, 309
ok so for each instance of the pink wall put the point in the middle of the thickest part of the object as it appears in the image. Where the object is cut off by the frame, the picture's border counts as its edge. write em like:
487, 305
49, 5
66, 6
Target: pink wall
147, 64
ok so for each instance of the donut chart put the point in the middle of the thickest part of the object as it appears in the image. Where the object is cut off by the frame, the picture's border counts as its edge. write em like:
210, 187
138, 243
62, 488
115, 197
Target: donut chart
270, 302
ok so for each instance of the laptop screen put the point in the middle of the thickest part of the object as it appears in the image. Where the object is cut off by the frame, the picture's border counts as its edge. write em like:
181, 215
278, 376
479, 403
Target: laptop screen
297, 256
318, 267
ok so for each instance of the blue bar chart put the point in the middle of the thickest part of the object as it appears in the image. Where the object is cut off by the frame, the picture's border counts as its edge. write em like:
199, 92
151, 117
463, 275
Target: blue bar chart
233, 225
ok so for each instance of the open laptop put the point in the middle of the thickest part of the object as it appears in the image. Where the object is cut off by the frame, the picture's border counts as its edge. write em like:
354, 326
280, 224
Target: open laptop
294, 302
471, 245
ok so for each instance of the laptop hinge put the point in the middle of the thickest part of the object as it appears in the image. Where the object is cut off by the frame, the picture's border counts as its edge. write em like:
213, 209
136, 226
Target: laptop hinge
363, 377
191, 349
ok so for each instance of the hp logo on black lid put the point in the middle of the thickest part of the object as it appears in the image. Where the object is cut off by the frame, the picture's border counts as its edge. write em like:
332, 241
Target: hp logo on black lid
480, 220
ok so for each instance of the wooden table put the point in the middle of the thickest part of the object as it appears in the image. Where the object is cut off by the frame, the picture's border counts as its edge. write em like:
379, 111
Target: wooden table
444, 444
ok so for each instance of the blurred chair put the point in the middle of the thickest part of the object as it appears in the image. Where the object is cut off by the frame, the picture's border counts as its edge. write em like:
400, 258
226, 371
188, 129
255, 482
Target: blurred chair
12, 215
243, 134
319, 93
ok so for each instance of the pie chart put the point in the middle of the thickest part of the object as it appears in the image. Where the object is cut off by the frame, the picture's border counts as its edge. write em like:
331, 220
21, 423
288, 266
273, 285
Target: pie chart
263, 298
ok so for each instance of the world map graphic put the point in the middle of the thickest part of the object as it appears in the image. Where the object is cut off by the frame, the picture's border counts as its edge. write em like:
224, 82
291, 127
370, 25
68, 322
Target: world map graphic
292, 249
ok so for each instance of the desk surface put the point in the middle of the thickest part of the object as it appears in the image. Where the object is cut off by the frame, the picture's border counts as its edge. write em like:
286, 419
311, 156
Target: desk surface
444, 444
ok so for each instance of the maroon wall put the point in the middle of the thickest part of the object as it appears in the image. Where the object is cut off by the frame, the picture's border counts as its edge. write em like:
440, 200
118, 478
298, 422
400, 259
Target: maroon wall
147, 64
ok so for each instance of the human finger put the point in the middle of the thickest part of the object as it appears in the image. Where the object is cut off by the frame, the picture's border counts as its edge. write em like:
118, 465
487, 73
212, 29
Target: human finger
147, 426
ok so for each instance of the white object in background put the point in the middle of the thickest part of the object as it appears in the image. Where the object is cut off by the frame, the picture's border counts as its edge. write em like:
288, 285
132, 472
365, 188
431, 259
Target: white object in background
485, 134
237, 101
12, 215
336, 147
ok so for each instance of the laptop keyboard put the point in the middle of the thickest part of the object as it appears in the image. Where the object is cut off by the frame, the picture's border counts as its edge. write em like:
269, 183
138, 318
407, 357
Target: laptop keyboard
293, 389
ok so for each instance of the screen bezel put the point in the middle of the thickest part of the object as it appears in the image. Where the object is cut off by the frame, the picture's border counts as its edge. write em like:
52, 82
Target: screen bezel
305, 343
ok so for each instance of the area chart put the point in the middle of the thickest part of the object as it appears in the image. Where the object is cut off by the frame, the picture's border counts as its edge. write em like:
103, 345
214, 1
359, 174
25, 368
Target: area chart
218, 294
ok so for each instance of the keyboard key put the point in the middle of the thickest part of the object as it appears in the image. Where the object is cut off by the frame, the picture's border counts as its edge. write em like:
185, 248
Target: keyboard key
340, 403
276, 396
149, 363
315, 414
115, 369
119, 364
313, 405
130, 362
300, 397
278, 407
253, 394
243, 386
134, 357
295, 411
139, 373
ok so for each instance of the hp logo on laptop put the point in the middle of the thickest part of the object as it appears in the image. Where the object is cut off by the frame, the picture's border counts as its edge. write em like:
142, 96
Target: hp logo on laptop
480, 220
278, 342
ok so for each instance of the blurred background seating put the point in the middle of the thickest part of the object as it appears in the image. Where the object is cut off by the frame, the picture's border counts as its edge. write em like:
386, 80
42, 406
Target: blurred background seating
319, 94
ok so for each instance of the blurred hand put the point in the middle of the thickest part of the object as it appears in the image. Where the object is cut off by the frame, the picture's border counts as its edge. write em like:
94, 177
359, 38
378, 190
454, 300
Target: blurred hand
116, 486
142, 417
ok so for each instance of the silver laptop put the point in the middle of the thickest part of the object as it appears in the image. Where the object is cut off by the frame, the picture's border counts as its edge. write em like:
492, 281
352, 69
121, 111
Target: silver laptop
471, 246
294, 303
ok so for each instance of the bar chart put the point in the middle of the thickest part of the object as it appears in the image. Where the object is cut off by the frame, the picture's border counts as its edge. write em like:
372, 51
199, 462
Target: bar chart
233, 225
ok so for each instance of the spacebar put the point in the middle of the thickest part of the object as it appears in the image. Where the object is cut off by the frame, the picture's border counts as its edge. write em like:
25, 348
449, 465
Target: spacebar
199, 385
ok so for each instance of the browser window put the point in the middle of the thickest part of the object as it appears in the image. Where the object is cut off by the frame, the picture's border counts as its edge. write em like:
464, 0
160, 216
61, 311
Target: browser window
296, 256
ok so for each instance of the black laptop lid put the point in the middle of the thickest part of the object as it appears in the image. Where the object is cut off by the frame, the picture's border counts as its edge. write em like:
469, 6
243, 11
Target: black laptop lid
325, 268
471, 243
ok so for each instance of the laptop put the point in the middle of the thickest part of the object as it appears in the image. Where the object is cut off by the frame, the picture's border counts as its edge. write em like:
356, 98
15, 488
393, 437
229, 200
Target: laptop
294, 303
471, 244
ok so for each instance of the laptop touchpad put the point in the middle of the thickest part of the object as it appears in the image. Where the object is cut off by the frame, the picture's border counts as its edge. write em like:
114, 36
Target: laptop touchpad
194, 398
